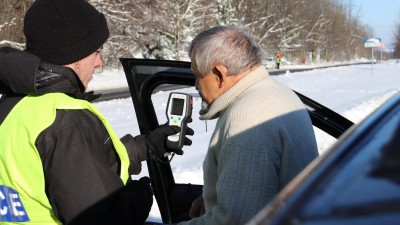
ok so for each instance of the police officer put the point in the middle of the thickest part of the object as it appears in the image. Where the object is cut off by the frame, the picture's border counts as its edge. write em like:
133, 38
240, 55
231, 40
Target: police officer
61, 162
278, 59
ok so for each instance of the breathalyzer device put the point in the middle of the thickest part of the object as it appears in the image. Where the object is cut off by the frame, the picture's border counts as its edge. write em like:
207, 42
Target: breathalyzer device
179, 111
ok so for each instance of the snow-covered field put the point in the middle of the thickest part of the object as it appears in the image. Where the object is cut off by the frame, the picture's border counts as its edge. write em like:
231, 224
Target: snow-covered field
352, 91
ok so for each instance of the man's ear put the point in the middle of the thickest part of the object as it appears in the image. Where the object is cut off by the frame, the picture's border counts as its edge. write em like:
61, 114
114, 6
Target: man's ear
222, 72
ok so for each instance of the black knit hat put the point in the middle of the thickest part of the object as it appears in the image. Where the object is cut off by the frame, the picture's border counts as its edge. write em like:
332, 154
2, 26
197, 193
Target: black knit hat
64, 31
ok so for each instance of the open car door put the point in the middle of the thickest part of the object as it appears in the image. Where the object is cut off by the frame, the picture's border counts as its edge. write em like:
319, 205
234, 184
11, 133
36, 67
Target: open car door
147, 77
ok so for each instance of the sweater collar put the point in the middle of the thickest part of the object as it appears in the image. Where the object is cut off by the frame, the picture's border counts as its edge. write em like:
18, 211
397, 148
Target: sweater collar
222, 102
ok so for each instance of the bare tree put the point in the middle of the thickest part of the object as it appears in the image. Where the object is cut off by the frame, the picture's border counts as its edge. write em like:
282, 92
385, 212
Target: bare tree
258, 16
226, 12
11, 22
121, 42
146, 25
187, 17
396, 52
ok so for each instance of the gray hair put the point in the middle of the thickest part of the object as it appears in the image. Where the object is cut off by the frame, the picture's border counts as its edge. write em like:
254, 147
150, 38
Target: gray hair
226, 45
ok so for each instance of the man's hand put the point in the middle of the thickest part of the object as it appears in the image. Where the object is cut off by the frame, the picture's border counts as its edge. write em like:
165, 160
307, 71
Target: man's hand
158, 136
198, 208
134, 203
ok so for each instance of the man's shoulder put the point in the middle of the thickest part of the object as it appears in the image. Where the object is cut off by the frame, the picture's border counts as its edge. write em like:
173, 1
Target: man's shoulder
266, 99
68, 117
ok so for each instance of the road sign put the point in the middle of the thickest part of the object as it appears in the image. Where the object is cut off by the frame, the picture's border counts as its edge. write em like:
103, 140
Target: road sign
372, 42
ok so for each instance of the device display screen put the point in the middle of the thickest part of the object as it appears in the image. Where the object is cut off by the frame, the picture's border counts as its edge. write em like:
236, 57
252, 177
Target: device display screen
177, 106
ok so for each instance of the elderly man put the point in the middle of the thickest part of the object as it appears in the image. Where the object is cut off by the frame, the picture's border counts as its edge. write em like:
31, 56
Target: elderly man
263, 137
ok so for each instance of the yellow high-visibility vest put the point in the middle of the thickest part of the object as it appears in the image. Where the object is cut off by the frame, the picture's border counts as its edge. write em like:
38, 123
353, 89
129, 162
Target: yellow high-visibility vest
22, 185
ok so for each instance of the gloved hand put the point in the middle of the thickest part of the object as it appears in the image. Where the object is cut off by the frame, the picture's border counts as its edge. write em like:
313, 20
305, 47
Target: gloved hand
141, 194
157, 138
130, 205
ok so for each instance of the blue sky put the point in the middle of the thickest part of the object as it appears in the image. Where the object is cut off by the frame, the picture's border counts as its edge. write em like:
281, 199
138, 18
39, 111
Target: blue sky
381, 15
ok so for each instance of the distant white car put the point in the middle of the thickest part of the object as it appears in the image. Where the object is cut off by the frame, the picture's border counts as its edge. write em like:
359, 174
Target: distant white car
269, 62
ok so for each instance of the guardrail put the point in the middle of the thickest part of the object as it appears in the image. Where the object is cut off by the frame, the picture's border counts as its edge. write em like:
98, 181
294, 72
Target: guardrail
284, 71
124, 93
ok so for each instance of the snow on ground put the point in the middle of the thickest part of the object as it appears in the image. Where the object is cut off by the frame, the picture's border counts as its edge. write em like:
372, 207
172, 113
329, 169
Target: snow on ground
352, 91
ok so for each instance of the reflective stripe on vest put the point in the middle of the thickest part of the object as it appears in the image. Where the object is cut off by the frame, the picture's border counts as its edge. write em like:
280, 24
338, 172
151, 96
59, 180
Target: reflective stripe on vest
22, 184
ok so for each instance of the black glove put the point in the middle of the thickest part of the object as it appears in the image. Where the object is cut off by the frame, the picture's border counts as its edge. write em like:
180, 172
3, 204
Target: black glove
157, 138
139, 194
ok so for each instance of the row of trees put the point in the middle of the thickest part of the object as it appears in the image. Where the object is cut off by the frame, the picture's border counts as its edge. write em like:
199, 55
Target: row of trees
163, 29
396, 51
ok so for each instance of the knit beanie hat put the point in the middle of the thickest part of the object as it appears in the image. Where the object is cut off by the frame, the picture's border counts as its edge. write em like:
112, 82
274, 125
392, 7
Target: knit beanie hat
64, 31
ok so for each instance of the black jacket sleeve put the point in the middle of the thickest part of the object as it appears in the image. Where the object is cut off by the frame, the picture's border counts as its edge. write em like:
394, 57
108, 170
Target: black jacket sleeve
81, 170
137, 148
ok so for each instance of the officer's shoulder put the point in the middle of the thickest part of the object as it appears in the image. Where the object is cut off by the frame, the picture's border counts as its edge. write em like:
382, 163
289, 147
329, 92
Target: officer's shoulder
67, 116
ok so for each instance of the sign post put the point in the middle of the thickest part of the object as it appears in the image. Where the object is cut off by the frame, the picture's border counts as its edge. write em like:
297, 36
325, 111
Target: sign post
381, 47
372, 43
